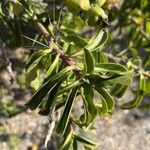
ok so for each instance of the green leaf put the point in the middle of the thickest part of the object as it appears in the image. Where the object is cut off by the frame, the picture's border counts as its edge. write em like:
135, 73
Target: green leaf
61, 127
100, 2
110, 67
75, 5
26, 6
132, 104
95, 43
119, 90
108, 98
147, 26
98, 41
90, 108
52, 70
67, 143
70, 86
17, 9
36, 99
88, 62
50, 100
125, 79
34, 57
147, 86
104, 108
98, 11
85, 5
142, 84
110, 79
86, 142
102, 57
46, 61
75, 39
32, 69
139, 96
75, 145
34, 65
35, 80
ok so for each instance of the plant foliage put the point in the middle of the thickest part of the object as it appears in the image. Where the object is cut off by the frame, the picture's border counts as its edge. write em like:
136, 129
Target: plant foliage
72, 65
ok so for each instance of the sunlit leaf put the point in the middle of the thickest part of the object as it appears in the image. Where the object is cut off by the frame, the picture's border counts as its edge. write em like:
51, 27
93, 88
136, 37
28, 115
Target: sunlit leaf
88, 62
139, 96
63, 122
90, 108
108, 98
119, 90
67, 143
36, 99
99, 40
50, 100
74, 39
110, 67
53, 67
85, 141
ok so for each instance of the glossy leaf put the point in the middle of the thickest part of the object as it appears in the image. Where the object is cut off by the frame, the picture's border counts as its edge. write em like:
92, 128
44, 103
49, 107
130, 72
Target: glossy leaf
61, 127
85, 5
52, 69
67, 143
110, 67
99, 40
111, 79
108, 98
88, 62
139, 96
32, 70
98, 11
36, 99
125, 79
86, 142
34, 57
104, 108
76, 5
101, 2
26, 6
90, 108
70, 86
102, 57
50, 100
119, 90
132, 104
78, 41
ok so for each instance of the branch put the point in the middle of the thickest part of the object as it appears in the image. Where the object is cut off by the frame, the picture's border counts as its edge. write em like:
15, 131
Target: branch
55, 48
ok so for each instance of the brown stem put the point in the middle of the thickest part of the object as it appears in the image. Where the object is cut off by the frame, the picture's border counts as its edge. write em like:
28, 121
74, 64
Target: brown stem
65, 59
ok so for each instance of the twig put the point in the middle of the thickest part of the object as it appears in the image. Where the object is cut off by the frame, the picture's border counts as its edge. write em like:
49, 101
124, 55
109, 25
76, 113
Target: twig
65, 59
113, 58
52, 120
